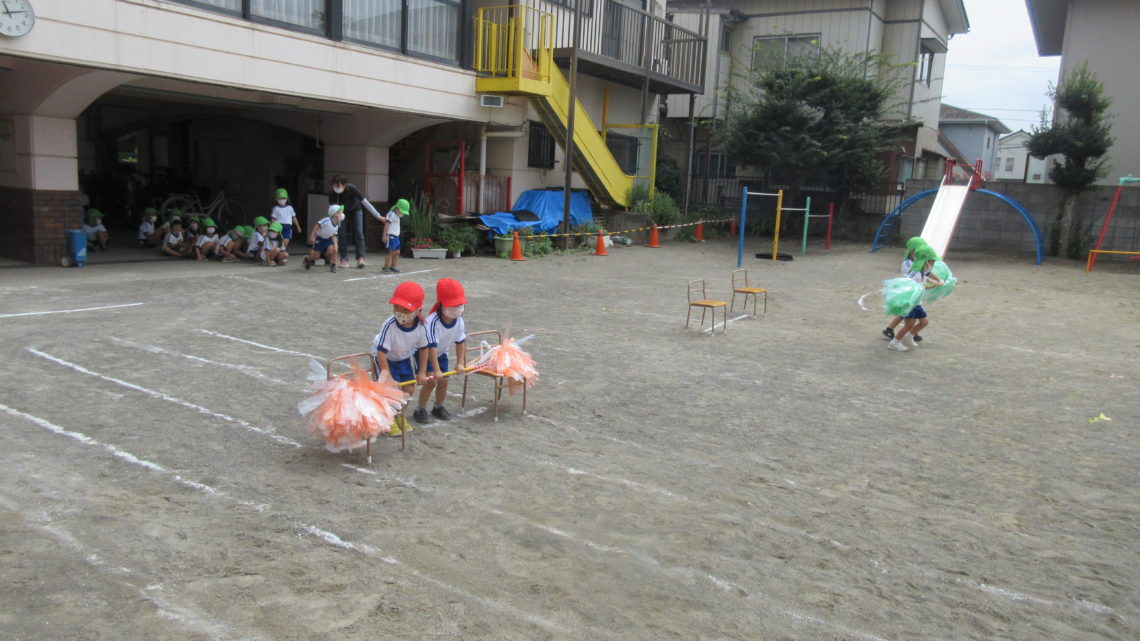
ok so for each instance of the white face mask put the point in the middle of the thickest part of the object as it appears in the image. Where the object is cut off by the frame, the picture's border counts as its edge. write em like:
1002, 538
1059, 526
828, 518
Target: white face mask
151, 219
193, 226
453, 312
404, 318
281, 201
339, 190
273, 234
210, 231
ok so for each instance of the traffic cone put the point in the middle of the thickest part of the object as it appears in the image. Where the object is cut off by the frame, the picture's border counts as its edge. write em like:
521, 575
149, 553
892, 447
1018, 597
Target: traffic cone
653, 237
600, 250
516, 248
700, 235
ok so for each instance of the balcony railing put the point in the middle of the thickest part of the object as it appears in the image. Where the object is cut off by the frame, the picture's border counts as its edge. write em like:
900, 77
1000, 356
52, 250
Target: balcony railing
628, 45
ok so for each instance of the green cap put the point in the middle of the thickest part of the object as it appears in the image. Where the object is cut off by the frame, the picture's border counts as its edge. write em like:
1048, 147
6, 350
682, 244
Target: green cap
402, 206
150, 210
209, 222
175, 212
94, 214
275, 227
280, 193
921, 255
247, 231
259, 221
913, 244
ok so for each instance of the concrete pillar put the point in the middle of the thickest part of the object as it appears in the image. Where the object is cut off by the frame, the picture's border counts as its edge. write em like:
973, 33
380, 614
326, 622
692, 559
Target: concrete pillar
40, 175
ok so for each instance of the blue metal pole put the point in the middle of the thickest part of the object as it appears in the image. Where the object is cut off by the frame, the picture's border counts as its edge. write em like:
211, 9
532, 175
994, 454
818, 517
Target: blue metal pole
743, 215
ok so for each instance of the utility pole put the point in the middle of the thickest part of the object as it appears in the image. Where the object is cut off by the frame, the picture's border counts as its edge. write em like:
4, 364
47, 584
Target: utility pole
570, 123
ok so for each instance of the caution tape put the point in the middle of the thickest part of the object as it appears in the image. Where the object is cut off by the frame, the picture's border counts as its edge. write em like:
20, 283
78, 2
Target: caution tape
629, 231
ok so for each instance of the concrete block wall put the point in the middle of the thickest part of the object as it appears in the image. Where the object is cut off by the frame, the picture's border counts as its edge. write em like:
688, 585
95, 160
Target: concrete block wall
988, 223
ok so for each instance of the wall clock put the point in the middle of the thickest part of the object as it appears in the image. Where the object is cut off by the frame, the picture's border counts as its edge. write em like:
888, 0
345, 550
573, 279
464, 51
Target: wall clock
16, 17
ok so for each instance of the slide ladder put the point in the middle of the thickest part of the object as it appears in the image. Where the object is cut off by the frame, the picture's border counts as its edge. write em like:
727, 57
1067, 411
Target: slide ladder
514, 46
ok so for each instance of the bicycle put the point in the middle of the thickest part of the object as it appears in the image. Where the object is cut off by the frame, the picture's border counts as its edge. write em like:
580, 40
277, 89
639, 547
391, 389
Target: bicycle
224, 211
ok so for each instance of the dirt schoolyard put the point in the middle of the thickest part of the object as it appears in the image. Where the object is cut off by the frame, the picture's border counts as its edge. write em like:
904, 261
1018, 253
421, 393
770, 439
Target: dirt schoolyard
789, 479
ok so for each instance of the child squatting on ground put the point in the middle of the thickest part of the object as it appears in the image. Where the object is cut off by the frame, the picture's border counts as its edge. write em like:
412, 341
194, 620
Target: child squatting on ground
392, 235
908, 260
401, 348
96, 232
322, 238
445, 328
916, 320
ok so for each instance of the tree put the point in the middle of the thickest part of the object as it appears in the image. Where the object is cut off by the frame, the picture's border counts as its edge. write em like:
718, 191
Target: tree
1080, 132
817, 116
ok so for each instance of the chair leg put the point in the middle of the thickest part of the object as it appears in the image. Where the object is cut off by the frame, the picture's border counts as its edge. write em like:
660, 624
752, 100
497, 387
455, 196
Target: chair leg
732, 305
765, 303
524, 395
463, 402
703, 311
687, 316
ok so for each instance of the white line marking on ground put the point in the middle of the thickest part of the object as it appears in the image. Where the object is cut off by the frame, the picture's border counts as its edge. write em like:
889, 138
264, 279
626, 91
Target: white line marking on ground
622, 311
325, 535
860, 301
731, 320
613, 479
261, 345
244, 369
70, 311
264, 283
1016, 596
166, 397
400, 275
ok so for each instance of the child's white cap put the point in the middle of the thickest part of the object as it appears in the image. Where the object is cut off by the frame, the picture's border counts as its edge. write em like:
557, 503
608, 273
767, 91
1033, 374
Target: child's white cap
335, 209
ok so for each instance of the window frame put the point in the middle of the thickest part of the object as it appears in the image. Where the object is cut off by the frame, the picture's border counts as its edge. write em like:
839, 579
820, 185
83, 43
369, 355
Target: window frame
812, 38
539, 144
925, 65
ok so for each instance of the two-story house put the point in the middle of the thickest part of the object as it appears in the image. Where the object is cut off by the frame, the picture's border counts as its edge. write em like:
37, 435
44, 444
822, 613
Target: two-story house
742, 33
129, 100
973, 136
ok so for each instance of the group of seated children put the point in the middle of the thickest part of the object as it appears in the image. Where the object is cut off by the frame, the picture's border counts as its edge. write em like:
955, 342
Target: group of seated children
264, 242
412, 348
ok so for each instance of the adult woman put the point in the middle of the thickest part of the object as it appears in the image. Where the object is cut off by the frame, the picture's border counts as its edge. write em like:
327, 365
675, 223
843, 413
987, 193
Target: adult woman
346, 194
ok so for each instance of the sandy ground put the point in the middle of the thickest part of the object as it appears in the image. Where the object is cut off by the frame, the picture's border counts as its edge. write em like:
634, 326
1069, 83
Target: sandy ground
791, 479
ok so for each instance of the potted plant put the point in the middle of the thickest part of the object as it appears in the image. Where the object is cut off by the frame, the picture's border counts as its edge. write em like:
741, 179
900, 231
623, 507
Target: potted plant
458, 238
427, 248
505, 242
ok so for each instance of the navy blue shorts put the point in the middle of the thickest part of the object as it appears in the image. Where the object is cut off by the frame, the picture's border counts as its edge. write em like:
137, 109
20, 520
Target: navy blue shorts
287, 232
401, 371
917, 312
393, 243
442, 363
322, 244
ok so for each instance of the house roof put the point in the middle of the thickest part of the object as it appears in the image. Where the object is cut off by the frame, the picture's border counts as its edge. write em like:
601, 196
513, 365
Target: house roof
953, 10
1048, 17
951, 115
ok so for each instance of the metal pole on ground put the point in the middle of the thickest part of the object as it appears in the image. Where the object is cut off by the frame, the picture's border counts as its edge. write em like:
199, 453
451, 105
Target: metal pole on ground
776, 235
743, 214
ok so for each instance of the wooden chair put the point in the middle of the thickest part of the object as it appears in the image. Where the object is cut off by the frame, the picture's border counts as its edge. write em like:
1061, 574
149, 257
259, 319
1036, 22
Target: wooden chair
476, 349
740, 286
698, 298
364, 361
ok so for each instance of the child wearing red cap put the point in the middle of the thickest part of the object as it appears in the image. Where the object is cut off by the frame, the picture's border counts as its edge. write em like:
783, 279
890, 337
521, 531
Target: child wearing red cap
402, 346
445, 328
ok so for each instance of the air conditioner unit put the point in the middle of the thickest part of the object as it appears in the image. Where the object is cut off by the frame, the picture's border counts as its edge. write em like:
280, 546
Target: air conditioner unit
487, 100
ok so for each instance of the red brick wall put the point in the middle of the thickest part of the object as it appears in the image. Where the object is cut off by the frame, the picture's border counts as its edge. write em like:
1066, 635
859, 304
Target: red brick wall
32, 224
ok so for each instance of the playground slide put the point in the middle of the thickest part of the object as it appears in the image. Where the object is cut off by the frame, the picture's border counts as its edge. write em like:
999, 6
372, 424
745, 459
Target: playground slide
944, 216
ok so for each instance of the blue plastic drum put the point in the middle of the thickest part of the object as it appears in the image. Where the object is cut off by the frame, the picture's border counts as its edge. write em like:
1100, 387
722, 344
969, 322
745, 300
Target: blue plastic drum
76, 248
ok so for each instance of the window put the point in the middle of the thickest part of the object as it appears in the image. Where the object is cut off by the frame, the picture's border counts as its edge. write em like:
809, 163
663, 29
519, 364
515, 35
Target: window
925, 65
717, 164
433, 28
540, 147
725, 39
307, 14
625, 150
775, 51
229, 6
374, 21
587, 6
1009, 164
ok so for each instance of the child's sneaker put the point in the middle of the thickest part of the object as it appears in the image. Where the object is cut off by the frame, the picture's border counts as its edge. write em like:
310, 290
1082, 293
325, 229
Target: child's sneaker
308, 263
897, 346
385, 269
421, 415
909, 342
889, 333
399, 426
393, 270
917, 338
441, 413
332, 267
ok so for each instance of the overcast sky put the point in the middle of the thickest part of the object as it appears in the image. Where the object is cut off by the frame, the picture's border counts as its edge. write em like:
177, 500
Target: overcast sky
994, 69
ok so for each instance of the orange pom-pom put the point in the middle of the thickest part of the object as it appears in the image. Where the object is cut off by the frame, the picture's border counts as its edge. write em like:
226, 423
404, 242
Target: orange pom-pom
509, 361
348, 411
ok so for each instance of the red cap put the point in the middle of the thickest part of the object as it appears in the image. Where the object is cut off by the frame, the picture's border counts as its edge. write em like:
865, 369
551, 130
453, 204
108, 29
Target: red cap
408, 295
449, 292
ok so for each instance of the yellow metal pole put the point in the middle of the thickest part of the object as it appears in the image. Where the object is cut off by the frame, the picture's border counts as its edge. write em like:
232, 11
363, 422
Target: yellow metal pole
776, 237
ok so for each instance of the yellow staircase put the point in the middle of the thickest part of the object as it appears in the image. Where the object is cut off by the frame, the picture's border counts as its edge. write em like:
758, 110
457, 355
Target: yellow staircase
513, 45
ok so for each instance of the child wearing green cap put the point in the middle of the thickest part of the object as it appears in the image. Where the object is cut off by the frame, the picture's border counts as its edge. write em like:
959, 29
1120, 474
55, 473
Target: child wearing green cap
147, 235
207, 241
257, 239
231, 247
392, 235
908, 260
96, 232
273, 251
283, 213
922, 273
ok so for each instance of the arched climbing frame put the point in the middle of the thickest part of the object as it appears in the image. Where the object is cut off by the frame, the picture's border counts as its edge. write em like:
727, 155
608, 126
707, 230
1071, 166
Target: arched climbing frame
892, 218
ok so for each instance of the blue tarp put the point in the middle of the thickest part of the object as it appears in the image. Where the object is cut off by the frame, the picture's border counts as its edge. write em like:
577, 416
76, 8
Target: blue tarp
547, 205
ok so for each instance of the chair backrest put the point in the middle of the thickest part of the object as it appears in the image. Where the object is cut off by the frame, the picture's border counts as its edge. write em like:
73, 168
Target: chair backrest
480, 345
343, 365
696, 290
739, 278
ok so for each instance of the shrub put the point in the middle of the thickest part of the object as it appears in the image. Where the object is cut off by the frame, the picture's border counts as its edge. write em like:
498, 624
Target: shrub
459, 238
